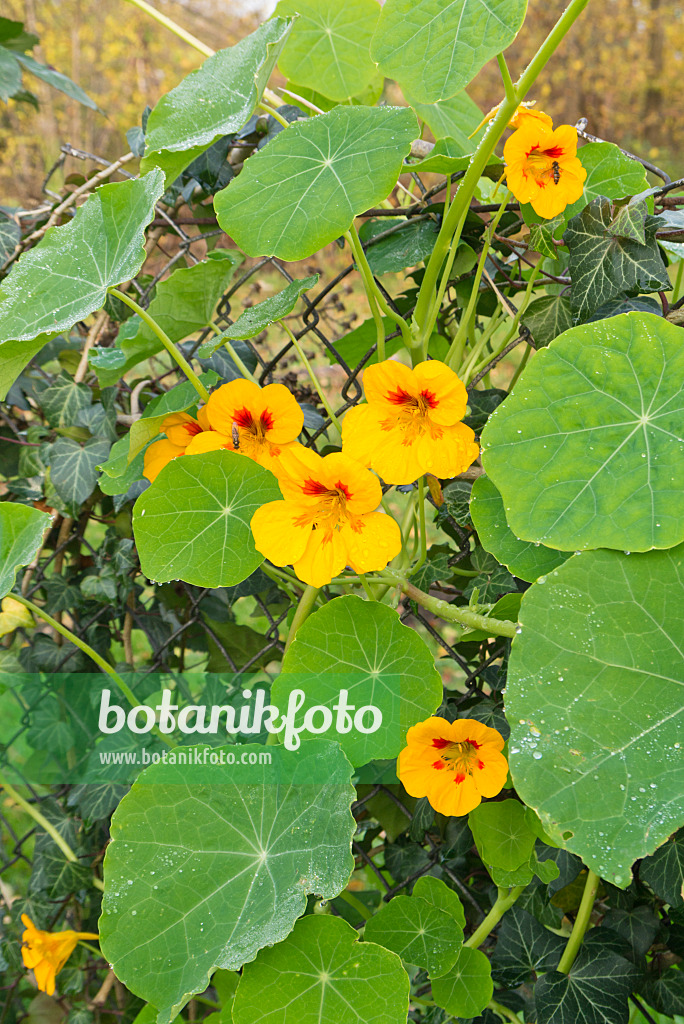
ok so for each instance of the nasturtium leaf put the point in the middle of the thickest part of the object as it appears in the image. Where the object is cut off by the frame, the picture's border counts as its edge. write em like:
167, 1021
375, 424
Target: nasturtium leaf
192, 523
588, 451
323, 973
21, 534
524, 947
594, 701
595, 990
73, 469
418, 932
501, 833
216, 99
304, 189
202, 874
468, 987
328, 48
364, 648
526, 560
435, 49
664, 870
257, 318
456, 118
10, 235
409, 245
10, 74
66, 276
435, 891
547, 317
604, 265
609, 173
449, 156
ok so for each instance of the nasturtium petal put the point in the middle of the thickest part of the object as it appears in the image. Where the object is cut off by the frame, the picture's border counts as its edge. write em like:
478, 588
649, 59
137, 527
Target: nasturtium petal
418, 932
192, 523
594, 701
304, 189
216, 99
364, 648
21, 534
434, 49
203, 873
524, 559
328, 48
323, 973
588, 451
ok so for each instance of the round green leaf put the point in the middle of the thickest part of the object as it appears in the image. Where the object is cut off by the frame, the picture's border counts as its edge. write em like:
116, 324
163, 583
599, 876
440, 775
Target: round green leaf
594, 698
609, 173
419, 932
328, 47
502, 835
323, 975
304, 189
21, 534
202, 873
588, 451
468, 987
192, 523
435, 48
435, 891
525, 560
362, 647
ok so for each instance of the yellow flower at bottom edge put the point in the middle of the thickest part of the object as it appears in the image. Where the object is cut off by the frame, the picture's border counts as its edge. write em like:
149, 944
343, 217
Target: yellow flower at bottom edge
180, 428
45, 953
411, 424
453, 764
542, 168
327, 520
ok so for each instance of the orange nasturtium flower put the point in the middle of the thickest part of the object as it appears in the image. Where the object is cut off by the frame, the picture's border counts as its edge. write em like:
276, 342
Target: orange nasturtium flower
542, 168
453, 764
180, 428
524, 114
327, 520
411, 423
45, 953
265, 423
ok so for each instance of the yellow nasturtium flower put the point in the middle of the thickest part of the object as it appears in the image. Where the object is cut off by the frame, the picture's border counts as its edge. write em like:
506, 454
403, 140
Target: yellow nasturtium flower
542, 168
13, 615
180, 429
45, 953
524, 114
453, 764
327, 520
411, 423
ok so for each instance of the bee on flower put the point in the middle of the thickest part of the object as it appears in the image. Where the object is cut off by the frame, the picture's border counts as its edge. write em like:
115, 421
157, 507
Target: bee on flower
45, 953
542, 167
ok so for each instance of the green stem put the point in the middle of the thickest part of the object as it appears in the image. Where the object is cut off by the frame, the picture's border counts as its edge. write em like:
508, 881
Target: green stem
450, 612
678, 281
165, 340
41, 820
366, 586
356, 903
421, 525
274, 114
229, 347
167, 23
304, 609
521, 366
312, 376
469, 370
87, 649
504, 901
581, 923
453, 220
466, 369
362, 263
506, 77
81, 942
503, 1011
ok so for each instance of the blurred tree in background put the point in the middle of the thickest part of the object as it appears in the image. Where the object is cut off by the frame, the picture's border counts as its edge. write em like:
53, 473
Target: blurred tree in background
622, 71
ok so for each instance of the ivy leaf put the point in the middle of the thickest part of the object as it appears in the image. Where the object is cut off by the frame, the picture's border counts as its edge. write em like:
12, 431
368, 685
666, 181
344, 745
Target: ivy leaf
10, 235
595, 991
73, 469
604, 265
245, 853
435, 49
21, 535
216, 99
327, 49
66, 276
523, 948
412, 243
363, 648
63, 400
596, 792
328, 975
492, 580
418, 932
630, 222
638, 927
526, 560
664, 870
192, 523
481, 405
435, 567
257, 318
305, 188
467, 988
542, 236
665, 992
588, 449
547, 317
637, 304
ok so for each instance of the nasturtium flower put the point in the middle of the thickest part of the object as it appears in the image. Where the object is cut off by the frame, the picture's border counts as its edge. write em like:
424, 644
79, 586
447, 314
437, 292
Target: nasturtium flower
261, 423
453, 764
14, 614
411, 423
328, 519
524, 114
45, 953
542, 168
180, 429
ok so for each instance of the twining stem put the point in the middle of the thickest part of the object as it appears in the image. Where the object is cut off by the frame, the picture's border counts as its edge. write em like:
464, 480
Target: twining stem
371, 287
87, 649
312, 376
41, 820
425, 315
304, 609
230, 349
274, 114
356, 903
503, 1011
421, 525
174, 352
504, 901
446, 611
506, 76
581, 923
678, 281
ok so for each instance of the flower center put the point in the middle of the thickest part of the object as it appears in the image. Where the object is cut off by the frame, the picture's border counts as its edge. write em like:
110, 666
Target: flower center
252, 430
544, 165
330, 512
461, 758
413, 413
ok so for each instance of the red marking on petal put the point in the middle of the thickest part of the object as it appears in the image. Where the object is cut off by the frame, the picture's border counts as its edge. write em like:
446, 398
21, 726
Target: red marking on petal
430, 398
314, 487
399, 397
439, 743
439, 765
473, 743
192, 428
459, 777
243, 418
266, 420
339, 486
554, 152
480, 765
